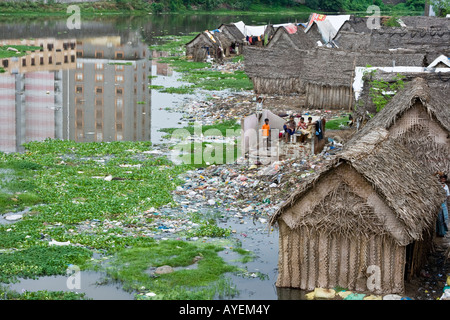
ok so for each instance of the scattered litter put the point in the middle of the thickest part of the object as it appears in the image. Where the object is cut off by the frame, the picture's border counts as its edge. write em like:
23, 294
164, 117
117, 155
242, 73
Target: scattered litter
392, 297
56, 243
355, 296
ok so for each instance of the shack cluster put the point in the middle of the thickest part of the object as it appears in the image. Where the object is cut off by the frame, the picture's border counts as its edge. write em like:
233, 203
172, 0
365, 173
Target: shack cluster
378, 203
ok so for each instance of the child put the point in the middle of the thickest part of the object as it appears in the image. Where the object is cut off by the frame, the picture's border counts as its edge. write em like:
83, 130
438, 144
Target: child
259, 104
265, 133
289, 128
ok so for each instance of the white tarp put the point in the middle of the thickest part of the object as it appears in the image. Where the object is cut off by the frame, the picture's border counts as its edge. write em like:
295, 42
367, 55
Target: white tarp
442, 58
241, 26
359, 73
329, 27
255, 30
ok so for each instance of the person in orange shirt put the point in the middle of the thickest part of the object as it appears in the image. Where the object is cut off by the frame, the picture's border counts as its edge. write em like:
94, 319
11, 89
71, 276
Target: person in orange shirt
266, 132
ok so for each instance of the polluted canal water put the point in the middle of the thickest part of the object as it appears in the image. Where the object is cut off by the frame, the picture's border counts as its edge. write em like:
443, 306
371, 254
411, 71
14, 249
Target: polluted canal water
98, 89
87, 282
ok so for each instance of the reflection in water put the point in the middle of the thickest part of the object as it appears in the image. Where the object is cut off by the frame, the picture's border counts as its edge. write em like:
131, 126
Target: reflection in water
84, 89
90, 84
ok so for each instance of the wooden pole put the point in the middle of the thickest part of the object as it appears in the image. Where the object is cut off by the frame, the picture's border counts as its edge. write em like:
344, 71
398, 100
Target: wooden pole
351, 86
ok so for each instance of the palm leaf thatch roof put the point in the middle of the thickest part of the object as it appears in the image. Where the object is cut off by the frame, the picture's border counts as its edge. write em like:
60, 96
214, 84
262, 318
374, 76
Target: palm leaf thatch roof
319, 65
282, 39
412, 195
431, 98
233, 31
356, 24
425, 22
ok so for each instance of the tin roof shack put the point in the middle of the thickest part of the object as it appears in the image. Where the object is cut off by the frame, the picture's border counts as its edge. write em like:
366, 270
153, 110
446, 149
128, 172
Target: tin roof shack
418, 117
371, 208
323, 75
207, 43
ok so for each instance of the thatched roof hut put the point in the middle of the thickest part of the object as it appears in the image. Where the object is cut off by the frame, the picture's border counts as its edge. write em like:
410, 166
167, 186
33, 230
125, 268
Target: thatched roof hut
370, 206
433, 41
204, 44
324, 75
413, 38
355, 24
437, 78
418, 117
425, 22
214, 44
283, 40
232, 32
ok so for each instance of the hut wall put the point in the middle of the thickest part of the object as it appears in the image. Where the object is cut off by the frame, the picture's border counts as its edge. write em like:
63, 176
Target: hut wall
335, 232
328, 96
196, 48
329, 72
278, 85
424, 137
310, 259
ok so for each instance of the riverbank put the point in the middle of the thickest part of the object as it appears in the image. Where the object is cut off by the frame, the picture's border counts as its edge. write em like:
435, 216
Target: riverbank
142, 8
136, 8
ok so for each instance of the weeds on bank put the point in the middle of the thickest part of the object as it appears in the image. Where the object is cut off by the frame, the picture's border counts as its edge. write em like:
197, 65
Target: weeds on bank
337, 123
7, 294
21, 50
71, 182
135, 268
198, 74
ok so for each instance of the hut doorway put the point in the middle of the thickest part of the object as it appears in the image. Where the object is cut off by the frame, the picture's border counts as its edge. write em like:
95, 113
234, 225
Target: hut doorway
409, 261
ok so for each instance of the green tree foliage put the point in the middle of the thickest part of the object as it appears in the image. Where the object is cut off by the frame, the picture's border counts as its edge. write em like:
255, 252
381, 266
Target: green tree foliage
441, 7
382, 91
362, 5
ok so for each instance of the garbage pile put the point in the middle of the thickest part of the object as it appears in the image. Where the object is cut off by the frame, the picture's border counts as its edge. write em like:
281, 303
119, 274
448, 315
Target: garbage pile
222, 106
250, 188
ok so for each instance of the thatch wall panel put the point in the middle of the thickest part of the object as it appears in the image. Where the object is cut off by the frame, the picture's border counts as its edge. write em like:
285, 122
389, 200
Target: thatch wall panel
323, 262
361, 284
312, 263
344, 262
353, 263
324, 75
294, 248
386, 267
284, 256
334, 263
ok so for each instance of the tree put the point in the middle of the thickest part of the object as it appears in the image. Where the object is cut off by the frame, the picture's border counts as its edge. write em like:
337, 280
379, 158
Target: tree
440, 7
326, 5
